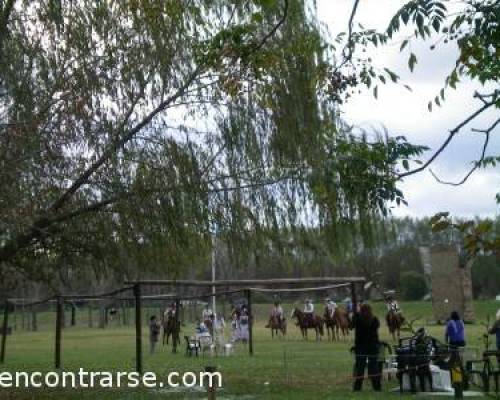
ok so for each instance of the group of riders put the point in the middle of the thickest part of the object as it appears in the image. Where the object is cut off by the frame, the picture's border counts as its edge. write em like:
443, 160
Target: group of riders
333, 313
212, 325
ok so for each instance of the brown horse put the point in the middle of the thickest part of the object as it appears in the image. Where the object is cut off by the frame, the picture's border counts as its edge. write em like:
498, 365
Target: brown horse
305, 323
342, 322
394, 323
277, 325
172, 328
330, 324
338, 324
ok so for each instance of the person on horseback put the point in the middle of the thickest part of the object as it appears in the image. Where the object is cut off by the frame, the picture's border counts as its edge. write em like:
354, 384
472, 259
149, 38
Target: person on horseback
207, 313
331, 306
309, 311
276, 313
393, 306
169, 312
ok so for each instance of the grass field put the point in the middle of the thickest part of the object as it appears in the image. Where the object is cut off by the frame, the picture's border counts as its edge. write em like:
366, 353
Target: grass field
280, 369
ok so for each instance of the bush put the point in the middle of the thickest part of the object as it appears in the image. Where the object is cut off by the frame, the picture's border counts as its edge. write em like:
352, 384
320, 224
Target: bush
413, 285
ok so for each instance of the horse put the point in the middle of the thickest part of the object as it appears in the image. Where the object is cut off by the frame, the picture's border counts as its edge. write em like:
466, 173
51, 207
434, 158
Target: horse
305, 323
394, 323
336, 324
171, 327
330, 324
277, 325
341, 322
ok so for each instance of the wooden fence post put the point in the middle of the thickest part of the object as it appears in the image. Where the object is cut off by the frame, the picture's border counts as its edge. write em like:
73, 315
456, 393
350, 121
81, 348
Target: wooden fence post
34, 322
250, 322
124, 312
354, 298
102, 315
91, 323
59, 323
5, 327
177, 328
73, 314
138, 328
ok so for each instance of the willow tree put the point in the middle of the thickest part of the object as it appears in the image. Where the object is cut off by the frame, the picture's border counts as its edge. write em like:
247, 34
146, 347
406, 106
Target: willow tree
328, 185
139, 127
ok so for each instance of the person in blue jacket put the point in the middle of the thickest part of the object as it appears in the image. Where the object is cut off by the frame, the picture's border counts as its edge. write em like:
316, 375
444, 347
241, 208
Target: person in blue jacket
455, 331
495, 330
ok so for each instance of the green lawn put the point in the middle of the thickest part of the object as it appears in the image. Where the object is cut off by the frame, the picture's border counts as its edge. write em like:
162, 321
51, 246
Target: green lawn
279, 369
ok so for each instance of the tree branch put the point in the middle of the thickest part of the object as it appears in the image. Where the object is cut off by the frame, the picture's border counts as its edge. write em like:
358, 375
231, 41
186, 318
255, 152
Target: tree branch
274, 30
450, 137
477, 164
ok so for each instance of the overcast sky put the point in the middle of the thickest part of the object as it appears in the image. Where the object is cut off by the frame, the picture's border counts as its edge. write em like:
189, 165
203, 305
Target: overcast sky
405, 113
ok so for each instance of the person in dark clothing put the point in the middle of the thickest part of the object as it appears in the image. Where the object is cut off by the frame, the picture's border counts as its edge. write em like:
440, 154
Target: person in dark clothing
495, 330
154, 333
366, 348
455, 331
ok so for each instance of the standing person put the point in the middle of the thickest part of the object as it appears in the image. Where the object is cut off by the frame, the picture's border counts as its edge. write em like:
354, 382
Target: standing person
244, 333
495, 330
154, 333
366, 347
454, 335
219, 325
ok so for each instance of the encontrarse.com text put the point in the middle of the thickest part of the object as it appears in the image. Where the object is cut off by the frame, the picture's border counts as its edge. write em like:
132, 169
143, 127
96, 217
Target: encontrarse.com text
91, 379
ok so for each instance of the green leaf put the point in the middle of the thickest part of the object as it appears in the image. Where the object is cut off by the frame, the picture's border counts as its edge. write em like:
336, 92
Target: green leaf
436, 24
404, 44
440, 226
412, 61
405, 16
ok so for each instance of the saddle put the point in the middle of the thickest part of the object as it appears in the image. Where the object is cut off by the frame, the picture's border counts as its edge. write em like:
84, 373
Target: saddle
309, 320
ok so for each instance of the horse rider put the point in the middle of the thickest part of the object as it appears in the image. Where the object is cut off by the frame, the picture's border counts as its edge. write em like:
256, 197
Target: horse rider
276, 312
169, 312
393, 306
331, 306
309, 311
207, 313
